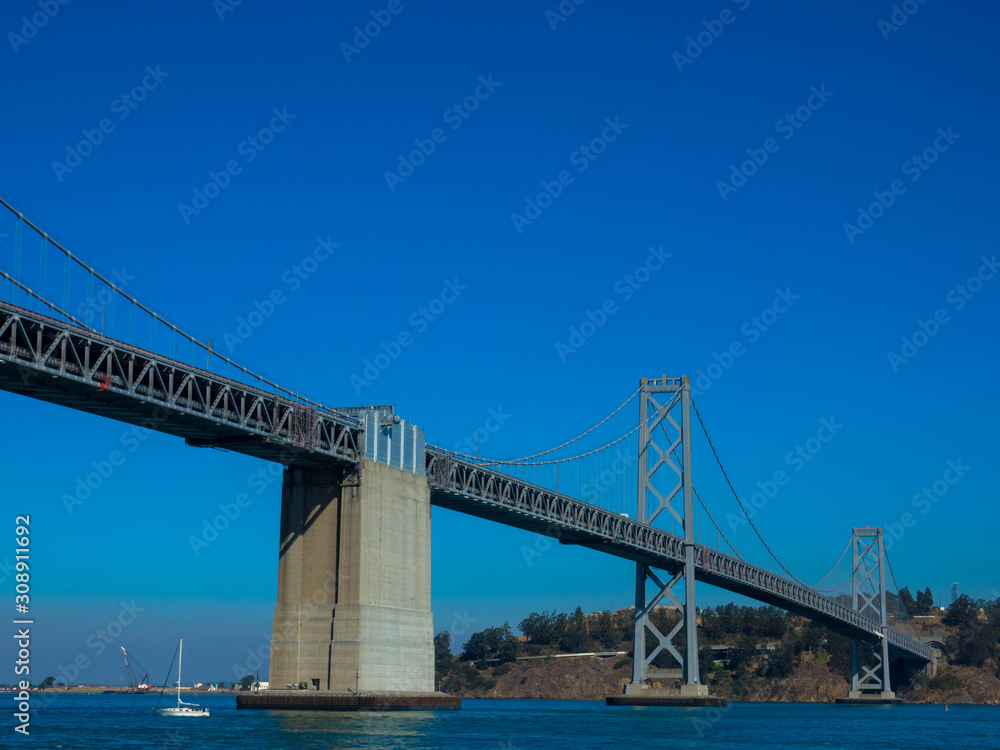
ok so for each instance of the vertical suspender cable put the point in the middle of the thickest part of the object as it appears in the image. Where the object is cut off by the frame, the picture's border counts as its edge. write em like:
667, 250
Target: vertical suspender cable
18, 233
43, 271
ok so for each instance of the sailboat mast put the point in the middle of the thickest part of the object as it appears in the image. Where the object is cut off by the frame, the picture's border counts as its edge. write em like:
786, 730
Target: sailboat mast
180, 660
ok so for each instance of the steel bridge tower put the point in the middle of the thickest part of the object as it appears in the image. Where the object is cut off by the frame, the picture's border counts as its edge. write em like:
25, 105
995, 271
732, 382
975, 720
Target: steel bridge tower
665, 484
870, 661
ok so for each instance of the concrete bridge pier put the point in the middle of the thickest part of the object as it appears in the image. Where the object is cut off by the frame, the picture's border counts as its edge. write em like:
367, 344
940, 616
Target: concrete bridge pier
352, 624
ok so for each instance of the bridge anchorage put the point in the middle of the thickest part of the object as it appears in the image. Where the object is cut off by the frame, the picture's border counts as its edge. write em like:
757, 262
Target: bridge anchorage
352, 623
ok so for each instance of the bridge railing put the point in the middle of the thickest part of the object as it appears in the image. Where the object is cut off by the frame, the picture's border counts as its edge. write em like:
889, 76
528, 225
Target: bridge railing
627, 537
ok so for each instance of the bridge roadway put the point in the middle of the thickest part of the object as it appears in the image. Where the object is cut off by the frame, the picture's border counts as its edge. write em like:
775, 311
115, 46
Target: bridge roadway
44, 358
473, 489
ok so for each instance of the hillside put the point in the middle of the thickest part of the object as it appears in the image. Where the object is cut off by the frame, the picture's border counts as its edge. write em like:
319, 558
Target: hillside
759, 654
592, 678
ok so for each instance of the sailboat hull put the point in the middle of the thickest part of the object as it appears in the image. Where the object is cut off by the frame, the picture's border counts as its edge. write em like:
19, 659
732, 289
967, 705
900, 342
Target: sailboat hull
182, 711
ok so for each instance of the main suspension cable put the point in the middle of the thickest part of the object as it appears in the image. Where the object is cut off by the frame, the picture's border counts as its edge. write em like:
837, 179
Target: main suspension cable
207, 347
736, 495
44, 301
842, 554
569, 442
523, 462
714, 523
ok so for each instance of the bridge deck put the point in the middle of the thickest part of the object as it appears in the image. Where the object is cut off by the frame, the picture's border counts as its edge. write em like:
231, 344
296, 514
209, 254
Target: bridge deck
53, 361
472, 489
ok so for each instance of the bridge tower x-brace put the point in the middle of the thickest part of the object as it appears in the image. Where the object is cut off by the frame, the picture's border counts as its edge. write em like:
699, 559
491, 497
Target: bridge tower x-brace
665, 484
870, 661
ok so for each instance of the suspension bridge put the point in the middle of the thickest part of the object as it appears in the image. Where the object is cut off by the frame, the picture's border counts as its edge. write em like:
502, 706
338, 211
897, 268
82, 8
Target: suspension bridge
353, 612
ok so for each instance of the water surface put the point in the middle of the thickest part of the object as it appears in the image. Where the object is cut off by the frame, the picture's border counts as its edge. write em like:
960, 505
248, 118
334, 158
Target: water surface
113, 721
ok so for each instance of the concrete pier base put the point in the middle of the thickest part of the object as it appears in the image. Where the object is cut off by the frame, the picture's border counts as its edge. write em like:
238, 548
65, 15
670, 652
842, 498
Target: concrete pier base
860, 698
340, 700
354, 587
644, 695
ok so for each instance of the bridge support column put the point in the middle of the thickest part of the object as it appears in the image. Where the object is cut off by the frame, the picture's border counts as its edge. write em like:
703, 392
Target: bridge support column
354, 590
869, 660
659, 488
354, 582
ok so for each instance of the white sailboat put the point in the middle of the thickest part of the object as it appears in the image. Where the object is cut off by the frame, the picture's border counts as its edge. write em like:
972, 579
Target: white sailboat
182, 709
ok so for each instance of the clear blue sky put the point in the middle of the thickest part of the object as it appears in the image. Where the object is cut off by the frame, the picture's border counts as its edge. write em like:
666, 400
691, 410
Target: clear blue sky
547, 93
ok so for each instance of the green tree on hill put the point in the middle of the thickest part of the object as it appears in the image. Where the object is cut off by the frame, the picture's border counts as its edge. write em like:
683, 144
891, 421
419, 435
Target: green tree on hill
442, 646
925, 601
962, 613
907, 600
575, 639
495, 642
544, 628
977, 637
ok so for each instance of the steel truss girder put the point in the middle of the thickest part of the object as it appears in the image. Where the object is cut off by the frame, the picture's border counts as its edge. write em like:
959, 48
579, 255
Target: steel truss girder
468, 487
54, 358
51, 358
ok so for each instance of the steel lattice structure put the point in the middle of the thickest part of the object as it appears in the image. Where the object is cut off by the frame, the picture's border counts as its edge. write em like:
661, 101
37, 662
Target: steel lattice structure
656, 462
868, 566
64, 364
57, 362
469, 488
